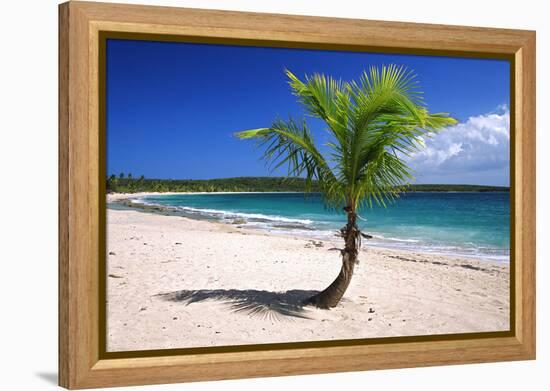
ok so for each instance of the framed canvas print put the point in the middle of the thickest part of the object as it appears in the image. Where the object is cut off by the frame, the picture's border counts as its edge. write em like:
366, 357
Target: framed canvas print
248, 195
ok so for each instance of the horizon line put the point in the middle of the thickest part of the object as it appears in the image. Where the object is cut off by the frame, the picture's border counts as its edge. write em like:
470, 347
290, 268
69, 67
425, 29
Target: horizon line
289, 178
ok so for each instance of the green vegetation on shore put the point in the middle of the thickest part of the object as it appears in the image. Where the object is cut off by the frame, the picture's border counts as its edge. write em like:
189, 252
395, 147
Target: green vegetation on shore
129, 184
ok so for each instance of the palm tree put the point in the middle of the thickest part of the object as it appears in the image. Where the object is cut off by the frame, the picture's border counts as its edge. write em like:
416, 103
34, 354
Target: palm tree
111, 183
374, 124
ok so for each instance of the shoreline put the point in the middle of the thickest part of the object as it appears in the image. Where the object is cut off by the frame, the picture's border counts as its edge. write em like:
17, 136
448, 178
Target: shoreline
125, 199
121, 196
118, 196
175, 282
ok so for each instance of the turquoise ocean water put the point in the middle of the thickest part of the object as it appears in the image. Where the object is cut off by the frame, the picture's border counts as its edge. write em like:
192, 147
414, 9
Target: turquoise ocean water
467, 224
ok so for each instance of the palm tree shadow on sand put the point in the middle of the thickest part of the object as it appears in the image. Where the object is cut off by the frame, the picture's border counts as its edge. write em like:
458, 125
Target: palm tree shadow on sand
255, 303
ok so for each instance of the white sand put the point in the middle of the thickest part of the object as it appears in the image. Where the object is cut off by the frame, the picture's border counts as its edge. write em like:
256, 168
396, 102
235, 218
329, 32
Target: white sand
226, 286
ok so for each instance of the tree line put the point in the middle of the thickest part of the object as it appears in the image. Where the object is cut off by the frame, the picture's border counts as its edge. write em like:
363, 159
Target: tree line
127, 183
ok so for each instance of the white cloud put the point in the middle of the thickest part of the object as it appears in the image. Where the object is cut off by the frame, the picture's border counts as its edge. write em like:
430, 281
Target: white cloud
479, 145
502, 107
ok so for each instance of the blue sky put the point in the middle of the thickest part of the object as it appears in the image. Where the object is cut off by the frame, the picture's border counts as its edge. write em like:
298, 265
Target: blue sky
172, 108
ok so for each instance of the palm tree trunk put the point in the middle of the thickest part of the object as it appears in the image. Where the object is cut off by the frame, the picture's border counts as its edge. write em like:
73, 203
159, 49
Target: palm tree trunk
332, 295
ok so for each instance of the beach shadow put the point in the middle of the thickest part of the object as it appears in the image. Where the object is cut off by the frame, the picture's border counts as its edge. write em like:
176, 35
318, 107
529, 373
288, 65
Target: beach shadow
255, 303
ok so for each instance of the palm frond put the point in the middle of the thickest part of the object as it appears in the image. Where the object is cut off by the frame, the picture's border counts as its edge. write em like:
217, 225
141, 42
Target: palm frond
328, 99
375, 122
291, 144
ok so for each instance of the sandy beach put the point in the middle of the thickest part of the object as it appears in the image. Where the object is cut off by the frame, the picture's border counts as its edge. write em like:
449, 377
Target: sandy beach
175, 282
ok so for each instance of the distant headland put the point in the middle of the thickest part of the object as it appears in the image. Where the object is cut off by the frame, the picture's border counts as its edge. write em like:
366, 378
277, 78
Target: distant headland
130, 184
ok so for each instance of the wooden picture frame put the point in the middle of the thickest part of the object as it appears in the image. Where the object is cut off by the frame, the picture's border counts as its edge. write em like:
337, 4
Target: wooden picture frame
82, 362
